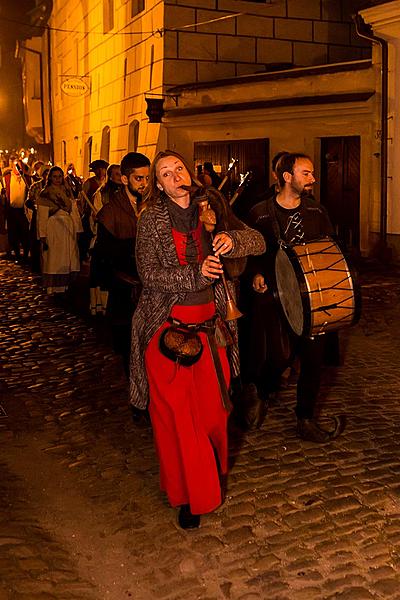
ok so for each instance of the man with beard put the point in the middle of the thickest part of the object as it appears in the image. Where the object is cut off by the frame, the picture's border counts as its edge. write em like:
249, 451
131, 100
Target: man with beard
293, 216
115, 248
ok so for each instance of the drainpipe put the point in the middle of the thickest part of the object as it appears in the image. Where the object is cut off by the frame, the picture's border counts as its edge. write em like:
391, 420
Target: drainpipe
50, 95
365, 32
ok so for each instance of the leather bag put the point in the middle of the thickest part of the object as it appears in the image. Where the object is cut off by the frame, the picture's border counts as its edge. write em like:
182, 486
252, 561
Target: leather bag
181, 345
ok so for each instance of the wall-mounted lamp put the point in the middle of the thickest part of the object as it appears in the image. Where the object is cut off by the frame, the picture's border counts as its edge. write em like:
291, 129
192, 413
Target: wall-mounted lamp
155, 109
155, 106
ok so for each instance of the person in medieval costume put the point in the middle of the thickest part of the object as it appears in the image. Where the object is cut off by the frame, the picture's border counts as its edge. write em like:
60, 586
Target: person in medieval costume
59, 224
187, 384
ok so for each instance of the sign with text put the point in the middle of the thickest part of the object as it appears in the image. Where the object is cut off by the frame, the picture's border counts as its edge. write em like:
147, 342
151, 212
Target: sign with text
75, 86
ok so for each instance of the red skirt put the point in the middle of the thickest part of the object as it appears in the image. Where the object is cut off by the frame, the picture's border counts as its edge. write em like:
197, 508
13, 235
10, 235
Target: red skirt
189, 420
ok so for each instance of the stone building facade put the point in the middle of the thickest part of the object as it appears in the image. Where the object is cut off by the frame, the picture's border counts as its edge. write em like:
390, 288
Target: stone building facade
289, 74
126, 50
266, 35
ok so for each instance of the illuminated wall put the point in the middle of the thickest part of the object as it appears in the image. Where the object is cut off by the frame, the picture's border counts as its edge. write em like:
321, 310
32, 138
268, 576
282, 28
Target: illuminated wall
118, 58
123, 49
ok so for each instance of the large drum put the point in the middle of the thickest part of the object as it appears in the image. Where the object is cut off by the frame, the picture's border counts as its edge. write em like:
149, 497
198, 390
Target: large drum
316, 288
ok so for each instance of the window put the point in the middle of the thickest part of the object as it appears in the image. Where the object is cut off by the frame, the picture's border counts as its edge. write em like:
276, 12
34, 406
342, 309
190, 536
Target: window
87, 156
76, 148
125, 74
108, 15
133, 136
137, 6
105, 143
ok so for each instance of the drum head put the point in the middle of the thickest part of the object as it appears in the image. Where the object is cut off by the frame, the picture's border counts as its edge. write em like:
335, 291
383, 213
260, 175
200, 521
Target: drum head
289, 292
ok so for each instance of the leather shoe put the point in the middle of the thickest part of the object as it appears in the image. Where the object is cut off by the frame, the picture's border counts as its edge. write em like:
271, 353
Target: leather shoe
185, 518
309, 430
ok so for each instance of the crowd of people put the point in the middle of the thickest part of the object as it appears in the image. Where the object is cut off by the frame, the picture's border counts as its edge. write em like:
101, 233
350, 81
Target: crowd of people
167, 254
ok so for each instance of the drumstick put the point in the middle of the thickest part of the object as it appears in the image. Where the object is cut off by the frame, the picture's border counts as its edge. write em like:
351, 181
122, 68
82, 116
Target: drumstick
308, 259
310, 263
322, 327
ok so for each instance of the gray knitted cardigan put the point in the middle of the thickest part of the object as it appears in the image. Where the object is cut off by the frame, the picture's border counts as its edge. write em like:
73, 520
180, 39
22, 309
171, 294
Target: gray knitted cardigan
165, 283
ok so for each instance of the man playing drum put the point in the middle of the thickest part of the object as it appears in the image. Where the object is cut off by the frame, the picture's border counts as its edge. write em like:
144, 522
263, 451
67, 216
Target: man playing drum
292, 216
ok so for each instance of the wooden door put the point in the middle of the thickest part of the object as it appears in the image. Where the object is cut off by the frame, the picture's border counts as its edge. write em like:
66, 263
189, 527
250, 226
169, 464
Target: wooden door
340, 187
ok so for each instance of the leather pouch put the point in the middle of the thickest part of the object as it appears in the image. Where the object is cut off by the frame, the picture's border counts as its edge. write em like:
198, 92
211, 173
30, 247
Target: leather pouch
181, 345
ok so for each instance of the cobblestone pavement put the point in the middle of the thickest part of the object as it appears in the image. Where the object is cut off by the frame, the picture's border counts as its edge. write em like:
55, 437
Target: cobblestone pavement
82, 516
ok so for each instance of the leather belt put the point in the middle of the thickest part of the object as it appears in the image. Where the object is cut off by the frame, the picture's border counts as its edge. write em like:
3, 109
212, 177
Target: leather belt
208, 327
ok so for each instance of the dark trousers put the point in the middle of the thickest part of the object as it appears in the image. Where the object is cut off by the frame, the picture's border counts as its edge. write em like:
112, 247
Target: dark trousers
18, 231
34, 244
122, 301
268, 348
84, 238
311, 354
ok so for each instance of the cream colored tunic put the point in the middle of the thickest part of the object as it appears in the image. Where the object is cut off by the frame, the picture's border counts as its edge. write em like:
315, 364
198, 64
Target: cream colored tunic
60, 231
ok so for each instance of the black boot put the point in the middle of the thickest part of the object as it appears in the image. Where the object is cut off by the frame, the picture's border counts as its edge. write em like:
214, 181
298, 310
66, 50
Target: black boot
309, 430
253, 409
185, 518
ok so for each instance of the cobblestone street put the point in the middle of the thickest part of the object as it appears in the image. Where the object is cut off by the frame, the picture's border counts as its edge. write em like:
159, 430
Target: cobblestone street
82, 515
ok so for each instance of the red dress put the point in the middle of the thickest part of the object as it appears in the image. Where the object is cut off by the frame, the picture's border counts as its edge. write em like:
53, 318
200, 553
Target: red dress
188, 417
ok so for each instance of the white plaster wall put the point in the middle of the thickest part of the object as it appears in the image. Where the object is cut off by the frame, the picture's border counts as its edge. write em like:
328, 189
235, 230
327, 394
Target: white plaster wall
294, 129
385, 22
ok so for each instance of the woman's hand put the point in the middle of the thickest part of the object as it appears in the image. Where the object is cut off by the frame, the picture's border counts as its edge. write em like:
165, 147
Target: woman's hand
222, 243
211, 267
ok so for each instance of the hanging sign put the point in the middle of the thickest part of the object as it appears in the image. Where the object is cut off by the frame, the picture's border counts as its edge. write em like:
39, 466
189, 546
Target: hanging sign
74, 86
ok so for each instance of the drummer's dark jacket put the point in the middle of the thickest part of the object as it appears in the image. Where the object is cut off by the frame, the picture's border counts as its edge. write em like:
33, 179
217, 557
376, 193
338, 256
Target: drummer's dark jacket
270, 219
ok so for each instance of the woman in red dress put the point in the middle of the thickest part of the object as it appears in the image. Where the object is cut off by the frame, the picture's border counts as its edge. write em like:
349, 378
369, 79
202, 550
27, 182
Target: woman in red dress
180, 269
